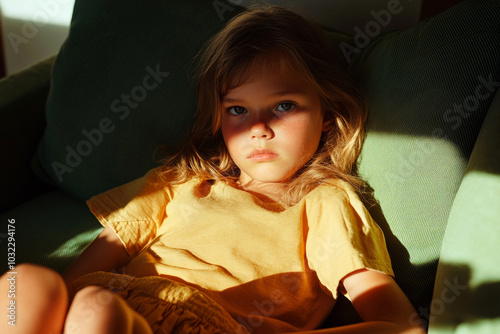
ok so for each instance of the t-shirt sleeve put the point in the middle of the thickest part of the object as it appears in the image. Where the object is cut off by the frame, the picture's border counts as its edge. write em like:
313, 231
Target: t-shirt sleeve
343, 238
134, 210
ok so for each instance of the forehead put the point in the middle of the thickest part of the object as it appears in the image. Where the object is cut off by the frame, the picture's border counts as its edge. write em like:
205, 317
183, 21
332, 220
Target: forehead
263, 85
268, 67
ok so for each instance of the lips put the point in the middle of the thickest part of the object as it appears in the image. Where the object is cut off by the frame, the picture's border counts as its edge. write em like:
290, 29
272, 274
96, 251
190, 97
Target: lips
262, 155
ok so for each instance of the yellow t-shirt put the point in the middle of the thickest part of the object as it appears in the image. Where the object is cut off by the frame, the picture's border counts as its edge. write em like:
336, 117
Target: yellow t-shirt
273, 270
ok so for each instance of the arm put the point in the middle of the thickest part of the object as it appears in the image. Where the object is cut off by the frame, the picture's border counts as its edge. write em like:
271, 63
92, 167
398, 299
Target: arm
381, 304
105, 253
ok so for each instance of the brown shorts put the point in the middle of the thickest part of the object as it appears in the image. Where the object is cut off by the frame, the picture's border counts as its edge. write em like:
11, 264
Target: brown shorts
168, 306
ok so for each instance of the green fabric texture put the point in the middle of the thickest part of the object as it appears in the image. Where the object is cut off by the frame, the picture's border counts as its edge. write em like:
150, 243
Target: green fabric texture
428, 91
51, 230
22, 103
121, 88
467, 291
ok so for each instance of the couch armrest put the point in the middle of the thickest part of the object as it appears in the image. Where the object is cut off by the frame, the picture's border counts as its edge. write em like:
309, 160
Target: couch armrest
22, 122
467, 288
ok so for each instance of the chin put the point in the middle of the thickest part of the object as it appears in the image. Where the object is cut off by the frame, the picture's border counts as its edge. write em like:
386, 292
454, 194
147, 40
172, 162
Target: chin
268, 175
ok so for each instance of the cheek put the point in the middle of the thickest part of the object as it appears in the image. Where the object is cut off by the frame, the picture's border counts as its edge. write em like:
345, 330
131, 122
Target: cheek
224, 128
229, 133
304, 133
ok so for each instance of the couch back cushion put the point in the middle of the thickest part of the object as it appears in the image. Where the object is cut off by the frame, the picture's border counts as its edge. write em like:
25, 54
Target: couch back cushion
429, 89
122, 87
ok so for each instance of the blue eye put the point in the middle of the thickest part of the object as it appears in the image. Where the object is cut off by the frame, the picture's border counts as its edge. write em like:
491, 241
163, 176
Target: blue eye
236, 110
285, 106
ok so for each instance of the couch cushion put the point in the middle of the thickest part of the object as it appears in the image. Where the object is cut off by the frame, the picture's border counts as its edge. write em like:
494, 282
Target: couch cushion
51, 230
121, 88
467, 291
428, 88
22, 102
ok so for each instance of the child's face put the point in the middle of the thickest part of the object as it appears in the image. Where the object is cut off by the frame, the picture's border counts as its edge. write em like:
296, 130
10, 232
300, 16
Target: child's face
272, 125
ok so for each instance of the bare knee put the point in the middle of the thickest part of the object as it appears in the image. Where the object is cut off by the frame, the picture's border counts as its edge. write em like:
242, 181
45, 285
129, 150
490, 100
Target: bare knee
96, 307
40, 296
97, 299
41, 285
98, 310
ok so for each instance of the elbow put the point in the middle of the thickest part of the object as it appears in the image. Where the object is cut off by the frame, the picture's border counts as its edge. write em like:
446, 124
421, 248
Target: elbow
408, 329
397, 326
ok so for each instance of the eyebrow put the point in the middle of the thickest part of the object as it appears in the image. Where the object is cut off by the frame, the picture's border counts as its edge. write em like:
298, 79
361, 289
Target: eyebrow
292, 91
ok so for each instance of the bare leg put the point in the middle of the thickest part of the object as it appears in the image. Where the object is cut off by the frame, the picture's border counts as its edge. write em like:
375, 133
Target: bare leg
96, 310
40, 298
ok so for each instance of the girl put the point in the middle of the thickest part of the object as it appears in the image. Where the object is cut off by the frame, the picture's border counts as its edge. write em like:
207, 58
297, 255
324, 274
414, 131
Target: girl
255, 226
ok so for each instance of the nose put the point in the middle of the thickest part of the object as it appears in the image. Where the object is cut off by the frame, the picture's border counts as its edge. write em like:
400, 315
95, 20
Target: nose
261, 130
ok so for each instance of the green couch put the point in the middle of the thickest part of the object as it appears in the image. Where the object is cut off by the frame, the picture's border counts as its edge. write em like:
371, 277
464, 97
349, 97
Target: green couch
91, 118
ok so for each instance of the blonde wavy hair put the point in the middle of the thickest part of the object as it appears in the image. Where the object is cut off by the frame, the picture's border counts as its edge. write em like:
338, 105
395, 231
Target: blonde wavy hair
227, 60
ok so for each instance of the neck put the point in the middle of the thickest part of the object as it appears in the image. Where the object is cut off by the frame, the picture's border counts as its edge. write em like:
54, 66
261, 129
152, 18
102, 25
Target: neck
266, 192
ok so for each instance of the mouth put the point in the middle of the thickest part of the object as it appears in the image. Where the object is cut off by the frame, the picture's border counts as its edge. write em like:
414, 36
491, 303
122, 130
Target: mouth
262, 155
